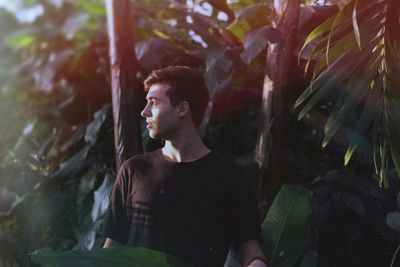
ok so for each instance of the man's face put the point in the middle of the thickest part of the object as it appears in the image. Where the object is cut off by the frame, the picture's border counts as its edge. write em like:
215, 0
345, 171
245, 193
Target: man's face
161, 117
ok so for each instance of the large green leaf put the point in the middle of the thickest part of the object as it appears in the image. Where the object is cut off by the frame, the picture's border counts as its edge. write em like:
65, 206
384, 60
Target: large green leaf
393, 220
239, 29
285, 228
250, 11
218, 68
256, 41
92, 6
121, 257
71, 166
101, 197
20, 40
151, 52
93, 128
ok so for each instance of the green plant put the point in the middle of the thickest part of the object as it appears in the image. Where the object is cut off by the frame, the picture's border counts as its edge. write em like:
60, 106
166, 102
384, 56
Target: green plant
357, 52
348, 220
118, 257
285, 228
393, 220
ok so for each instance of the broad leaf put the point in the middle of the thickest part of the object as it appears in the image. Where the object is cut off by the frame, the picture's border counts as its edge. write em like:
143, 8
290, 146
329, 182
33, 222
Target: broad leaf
92, 130
92, 6
20, 40
218, 68
255, 41
74, 164
248, 12
73, 24
121, 257
86, 185
354, 203
285, 228
150, 52
239, 29
71, 166
102, 197
393, 220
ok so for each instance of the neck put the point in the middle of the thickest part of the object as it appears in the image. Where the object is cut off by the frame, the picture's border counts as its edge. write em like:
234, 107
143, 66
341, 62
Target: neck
186, 146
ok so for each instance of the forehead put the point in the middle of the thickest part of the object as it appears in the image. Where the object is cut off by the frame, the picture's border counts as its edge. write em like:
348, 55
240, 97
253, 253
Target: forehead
157, 90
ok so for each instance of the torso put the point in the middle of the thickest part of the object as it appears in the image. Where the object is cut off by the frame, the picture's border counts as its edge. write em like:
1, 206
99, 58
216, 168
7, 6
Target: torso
181, 208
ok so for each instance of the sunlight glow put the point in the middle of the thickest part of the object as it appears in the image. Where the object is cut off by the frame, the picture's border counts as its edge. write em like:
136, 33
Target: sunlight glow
197, 38
222, 16
189, 19
22, 13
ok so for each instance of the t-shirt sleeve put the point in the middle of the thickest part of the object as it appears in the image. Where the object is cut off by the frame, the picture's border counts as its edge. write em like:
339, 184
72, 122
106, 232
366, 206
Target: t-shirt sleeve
246, 222
116, 224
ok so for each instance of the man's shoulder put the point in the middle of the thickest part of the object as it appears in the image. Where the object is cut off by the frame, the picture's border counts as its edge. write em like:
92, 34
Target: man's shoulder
221, 159
226, 165
140, 160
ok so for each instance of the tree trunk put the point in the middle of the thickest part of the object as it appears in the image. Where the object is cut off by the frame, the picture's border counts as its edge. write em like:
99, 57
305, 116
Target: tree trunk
127, 92
273, 123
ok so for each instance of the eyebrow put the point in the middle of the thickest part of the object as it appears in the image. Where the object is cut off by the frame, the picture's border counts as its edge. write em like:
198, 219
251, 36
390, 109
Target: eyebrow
151, 98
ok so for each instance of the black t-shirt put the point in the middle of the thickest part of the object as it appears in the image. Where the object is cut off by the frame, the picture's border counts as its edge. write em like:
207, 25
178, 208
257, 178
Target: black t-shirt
193, 210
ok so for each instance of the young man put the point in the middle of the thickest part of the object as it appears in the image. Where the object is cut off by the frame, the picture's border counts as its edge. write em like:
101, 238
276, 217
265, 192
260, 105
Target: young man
183, 199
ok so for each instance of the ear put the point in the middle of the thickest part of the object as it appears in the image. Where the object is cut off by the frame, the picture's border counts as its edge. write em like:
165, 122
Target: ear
183, 109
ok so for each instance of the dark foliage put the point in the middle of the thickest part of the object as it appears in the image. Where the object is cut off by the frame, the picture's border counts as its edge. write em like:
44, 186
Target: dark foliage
348, 222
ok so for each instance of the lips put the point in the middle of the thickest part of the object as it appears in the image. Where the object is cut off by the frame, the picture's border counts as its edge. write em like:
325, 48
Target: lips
149, 125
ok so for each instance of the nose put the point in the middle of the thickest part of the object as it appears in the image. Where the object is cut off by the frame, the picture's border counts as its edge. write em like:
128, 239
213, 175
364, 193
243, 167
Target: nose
146, 112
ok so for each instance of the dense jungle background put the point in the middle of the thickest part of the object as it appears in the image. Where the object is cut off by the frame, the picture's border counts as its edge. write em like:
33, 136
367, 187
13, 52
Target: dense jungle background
304, 94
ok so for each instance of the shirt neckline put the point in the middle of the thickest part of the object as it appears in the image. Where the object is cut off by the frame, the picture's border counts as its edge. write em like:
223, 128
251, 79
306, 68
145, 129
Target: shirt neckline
182, 163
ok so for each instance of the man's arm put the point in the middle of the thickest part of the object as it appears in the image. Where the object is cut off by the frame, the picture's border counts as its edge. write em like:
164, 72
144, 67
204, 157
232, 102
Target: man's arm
116, 226
252, 254
111, 243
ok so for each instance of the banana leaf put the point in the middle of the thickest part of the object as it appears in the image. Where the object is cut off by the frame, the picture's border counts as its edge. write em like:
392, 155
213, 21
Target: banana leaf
285, 228
116, 257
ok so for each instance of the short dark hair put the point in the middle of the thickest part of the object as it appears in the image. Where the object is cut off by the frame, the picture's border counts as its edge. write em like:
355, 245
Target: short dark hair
185, 84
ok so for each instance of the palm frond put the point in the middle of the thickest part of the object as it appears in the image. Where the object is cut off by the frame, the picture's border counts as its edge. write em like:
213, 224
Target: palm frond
357, 52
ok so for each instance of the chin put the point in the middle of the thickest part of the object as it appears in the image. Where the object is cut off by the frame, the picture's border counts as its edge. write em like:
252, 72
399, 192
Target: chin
153, 135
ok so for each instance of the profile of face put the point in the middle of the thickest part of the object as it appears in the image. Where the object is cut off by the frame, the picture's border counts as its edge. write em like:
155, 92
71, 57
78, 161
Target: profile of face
162, 118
